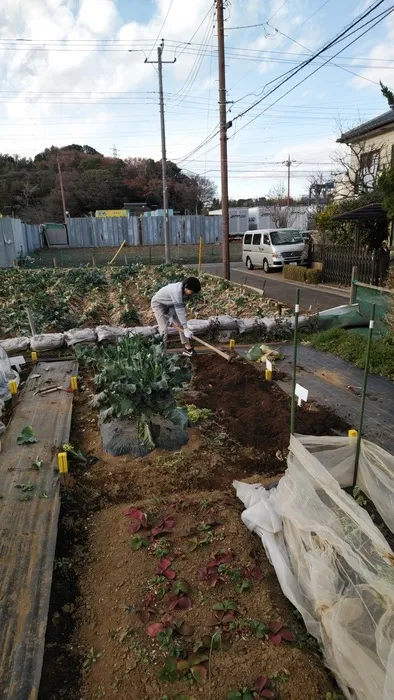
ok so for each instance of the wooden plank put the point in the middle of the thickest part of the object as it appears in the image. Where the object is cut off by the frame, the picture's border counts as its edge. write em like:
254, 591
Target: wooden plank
28, 529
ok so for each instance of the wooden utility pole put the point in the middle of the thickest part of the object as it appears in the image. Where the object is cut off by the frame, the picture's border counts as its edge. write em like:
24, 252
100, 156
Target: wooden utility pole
288, 163
160, 62
223, 139
62, 190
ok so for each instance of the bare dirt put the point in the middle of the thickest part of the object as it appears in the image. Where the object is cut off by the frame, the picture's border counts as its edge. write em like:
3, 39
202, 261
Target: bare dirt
97, 647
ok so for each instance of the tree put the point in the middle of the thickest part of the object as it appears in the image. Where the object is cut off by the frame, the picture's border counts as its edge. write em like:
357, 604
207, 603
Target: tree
388, 94
206, 190
386, 187
283, 217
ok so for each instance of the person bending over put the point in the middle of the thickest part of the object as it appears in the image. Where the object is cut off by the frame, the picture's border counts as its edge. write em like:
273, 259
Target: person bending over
168, 303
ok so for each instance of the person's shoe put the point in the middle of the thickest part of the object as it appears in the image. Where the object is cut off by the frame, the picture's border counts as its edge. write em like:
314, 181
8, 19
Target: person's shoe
189, 352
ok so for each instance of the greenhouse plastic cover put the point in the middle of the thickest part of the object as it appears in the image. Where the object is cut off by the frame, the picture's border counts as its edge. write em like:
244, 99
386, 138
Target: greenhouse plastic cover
332, 562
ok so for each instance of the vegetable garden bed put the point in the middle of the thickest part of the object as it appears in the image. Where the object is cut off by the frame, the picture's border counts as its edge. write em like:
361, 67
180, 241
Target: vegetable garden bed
84, 297
159, 590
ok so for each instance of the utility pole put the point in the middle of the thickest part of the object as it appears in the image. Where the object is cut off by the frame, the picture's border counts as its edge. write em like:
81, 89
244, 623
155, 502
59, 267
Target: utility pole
163, 149
223, 139
288, 163
62, 189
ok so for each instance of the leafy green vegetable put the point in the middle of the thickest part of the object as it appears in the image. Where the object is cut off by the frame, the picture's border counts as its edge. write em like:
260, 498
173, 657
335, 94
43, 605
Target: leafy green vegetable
27, 436
136, 379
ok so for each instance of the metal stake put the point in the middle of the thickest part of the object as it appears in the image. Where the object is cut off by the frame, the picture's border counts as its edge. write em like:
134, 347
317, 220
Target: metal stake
364, 394
293, 396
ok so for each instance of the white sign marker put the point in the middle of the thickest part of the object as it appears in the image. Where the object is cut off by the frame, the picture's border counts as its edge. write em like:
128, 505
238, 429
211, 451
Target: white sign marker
268, 365
17, 362
301, 393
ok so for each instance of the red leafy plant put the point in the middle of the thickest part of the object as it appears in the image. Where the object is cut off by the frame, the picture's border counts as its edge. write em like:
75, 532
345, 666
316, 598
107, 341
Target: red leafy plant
178, 598
279, 633
259, 691
154, 525
196, 665
224, 614
167, 622
164, 569
211, 572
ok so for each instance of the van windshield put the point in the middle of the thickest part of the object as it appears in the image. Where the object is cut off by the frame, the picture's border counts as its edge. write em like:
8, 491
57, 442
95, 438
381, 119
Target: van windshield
286, 237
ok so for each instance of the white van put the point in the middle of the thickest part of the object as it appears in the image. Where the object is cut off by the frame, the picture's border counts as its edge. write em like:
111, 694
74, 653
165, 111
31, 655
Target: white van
273, 248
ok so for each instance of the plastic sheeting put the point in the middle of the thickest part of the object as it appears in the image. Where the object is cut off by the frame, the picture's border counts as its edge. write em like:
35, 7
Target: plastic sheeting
110, 334
375, 472
15, 345
76, 336
47, 341
332, 563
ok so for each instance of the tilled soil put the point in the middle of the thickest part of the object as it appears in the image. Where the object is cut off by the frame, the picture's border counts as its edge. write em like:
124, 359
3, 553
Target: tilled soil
96, 646
255, 412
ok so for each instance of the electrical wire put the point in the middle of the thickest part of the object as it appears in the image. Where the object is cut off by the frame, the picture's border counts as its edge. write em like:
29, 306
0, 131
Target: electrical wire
287, 77
310, 74
161, 28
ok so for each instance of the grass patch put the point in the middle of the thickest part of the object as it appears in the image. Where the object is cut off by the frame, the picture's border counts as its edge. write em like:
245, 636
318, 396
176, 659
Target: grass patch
352, 347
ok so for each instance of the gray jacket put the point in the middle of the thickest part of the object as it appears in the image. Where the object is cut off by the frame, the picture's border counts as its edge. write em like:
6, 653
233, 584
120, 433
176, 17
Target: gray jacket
171, 296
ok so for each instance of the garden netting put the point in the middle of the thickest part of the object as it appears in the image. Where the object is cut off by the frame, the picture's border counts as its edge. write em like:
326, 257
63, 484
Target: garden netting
332, 562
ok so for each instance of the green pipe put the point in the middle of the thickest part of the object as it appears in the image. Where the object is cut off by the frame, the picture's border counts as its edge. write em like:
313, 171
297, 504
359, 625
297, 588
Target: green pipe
364, 394
293, 396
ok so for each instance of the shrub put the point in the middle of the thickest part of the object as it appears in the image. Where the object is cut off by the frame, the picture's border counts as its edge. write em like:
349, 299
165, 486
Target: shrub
293, 272
351, 346
314, 276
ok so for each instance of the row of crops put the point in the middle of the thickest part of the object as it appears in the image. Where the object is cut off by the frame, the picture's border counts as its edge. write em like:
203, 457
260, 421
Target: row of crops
83, 297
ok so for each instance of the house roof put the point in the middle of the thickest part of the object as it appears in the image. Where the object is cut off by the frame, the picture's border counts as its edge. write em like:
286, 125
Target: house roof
370, 212
372, 125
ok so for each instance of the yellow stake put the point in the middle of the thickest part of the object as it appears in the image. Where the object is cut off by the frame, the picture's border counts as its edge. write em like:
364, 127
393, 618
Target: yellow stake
34, 357
200, 254
62, 462
74, 383
232, 344
13, 387
352, 433
268, 375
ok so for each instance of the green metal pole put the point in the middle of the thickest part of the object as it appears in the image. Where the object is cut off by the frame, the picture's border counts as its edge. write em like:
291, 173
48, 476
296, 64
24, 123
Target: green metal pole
293, 396
366, 371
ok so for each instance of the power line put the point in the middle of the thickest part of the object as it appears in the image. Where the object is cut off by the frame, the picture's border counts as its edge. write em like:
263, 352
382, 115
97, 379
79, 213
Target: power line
161, 28
308, 76
285, 77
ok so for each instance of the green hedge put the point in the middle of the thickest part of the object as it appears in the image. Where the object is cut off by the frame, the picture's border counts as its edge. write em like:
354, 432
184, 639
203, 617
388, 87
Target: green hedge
314, 276
351, 346
302, 274
293, 272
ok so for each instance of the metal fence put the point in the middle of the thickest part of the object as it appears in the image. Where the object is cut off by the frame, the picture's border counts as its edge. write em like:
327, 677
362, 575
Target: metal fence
90, 232
338, 262
17, 239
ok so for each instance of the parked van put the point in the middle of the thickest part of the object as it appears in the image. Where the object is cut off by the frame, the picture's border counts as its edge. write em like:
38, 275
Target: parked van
273, 248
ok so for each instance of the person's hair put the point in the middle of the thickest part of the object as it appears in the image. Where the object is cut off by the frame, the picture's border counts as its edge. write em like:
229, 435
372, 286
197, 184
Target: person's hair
193, 284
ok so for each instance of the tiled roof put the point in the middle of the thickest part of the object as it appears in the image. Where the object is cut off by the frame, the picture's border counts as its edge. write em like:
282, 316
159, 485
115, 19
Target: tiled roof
367, 127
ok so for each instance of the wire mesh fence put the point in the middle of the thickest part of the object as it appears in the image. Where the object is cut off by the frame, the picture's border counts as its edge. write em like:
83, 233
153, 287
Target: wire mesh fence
147, 255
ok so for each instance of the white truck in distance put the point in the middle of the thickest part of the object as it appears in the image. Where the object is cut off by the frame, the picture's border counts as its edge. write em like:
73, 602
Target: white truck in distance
238, 221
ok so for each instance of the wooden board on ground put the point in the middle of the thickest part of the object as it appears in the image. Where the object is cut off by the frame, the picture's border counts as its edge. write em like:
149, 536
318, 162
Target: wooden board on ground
29, 509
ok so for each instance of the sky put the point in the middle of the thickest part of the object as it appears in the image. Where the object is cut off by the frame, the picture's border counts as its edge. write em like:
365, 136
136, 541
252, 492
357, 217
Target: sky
74, 71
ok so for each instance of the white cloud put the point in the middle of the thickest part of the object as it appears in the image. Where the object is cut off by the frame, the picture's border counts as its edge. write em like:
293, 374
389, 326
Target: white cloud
381, 52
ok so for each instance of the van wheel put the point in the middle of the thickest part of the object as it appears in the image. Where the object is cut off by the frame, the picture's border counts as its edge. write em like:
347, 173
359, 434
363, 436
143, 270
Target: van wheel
266, 267
249, 264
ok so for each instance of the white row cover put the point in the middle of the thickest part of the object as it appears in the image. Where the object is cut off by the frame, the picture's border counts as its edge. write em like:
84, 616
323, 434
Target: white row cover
332, 562
52, 341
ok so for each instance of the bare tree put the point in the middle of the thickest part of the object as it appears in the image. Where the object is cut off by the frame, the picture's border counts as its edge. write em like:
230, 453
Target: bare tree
283, 216
359, 166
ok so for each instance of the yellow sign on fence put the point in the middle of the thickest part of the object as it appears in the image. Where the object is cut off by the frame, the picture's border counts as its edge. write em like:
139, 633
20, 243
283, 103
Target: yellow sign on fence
111, 213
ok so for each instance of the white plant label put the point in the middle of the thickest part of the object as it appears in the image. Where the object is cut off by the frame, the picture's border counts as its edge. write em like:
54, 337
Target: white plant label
301, 394
268, 365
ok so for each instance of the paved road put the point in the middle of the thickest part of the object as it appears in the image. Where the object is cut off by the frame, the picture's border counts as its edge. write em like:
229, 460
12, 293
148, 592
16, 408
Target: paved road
282, 290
